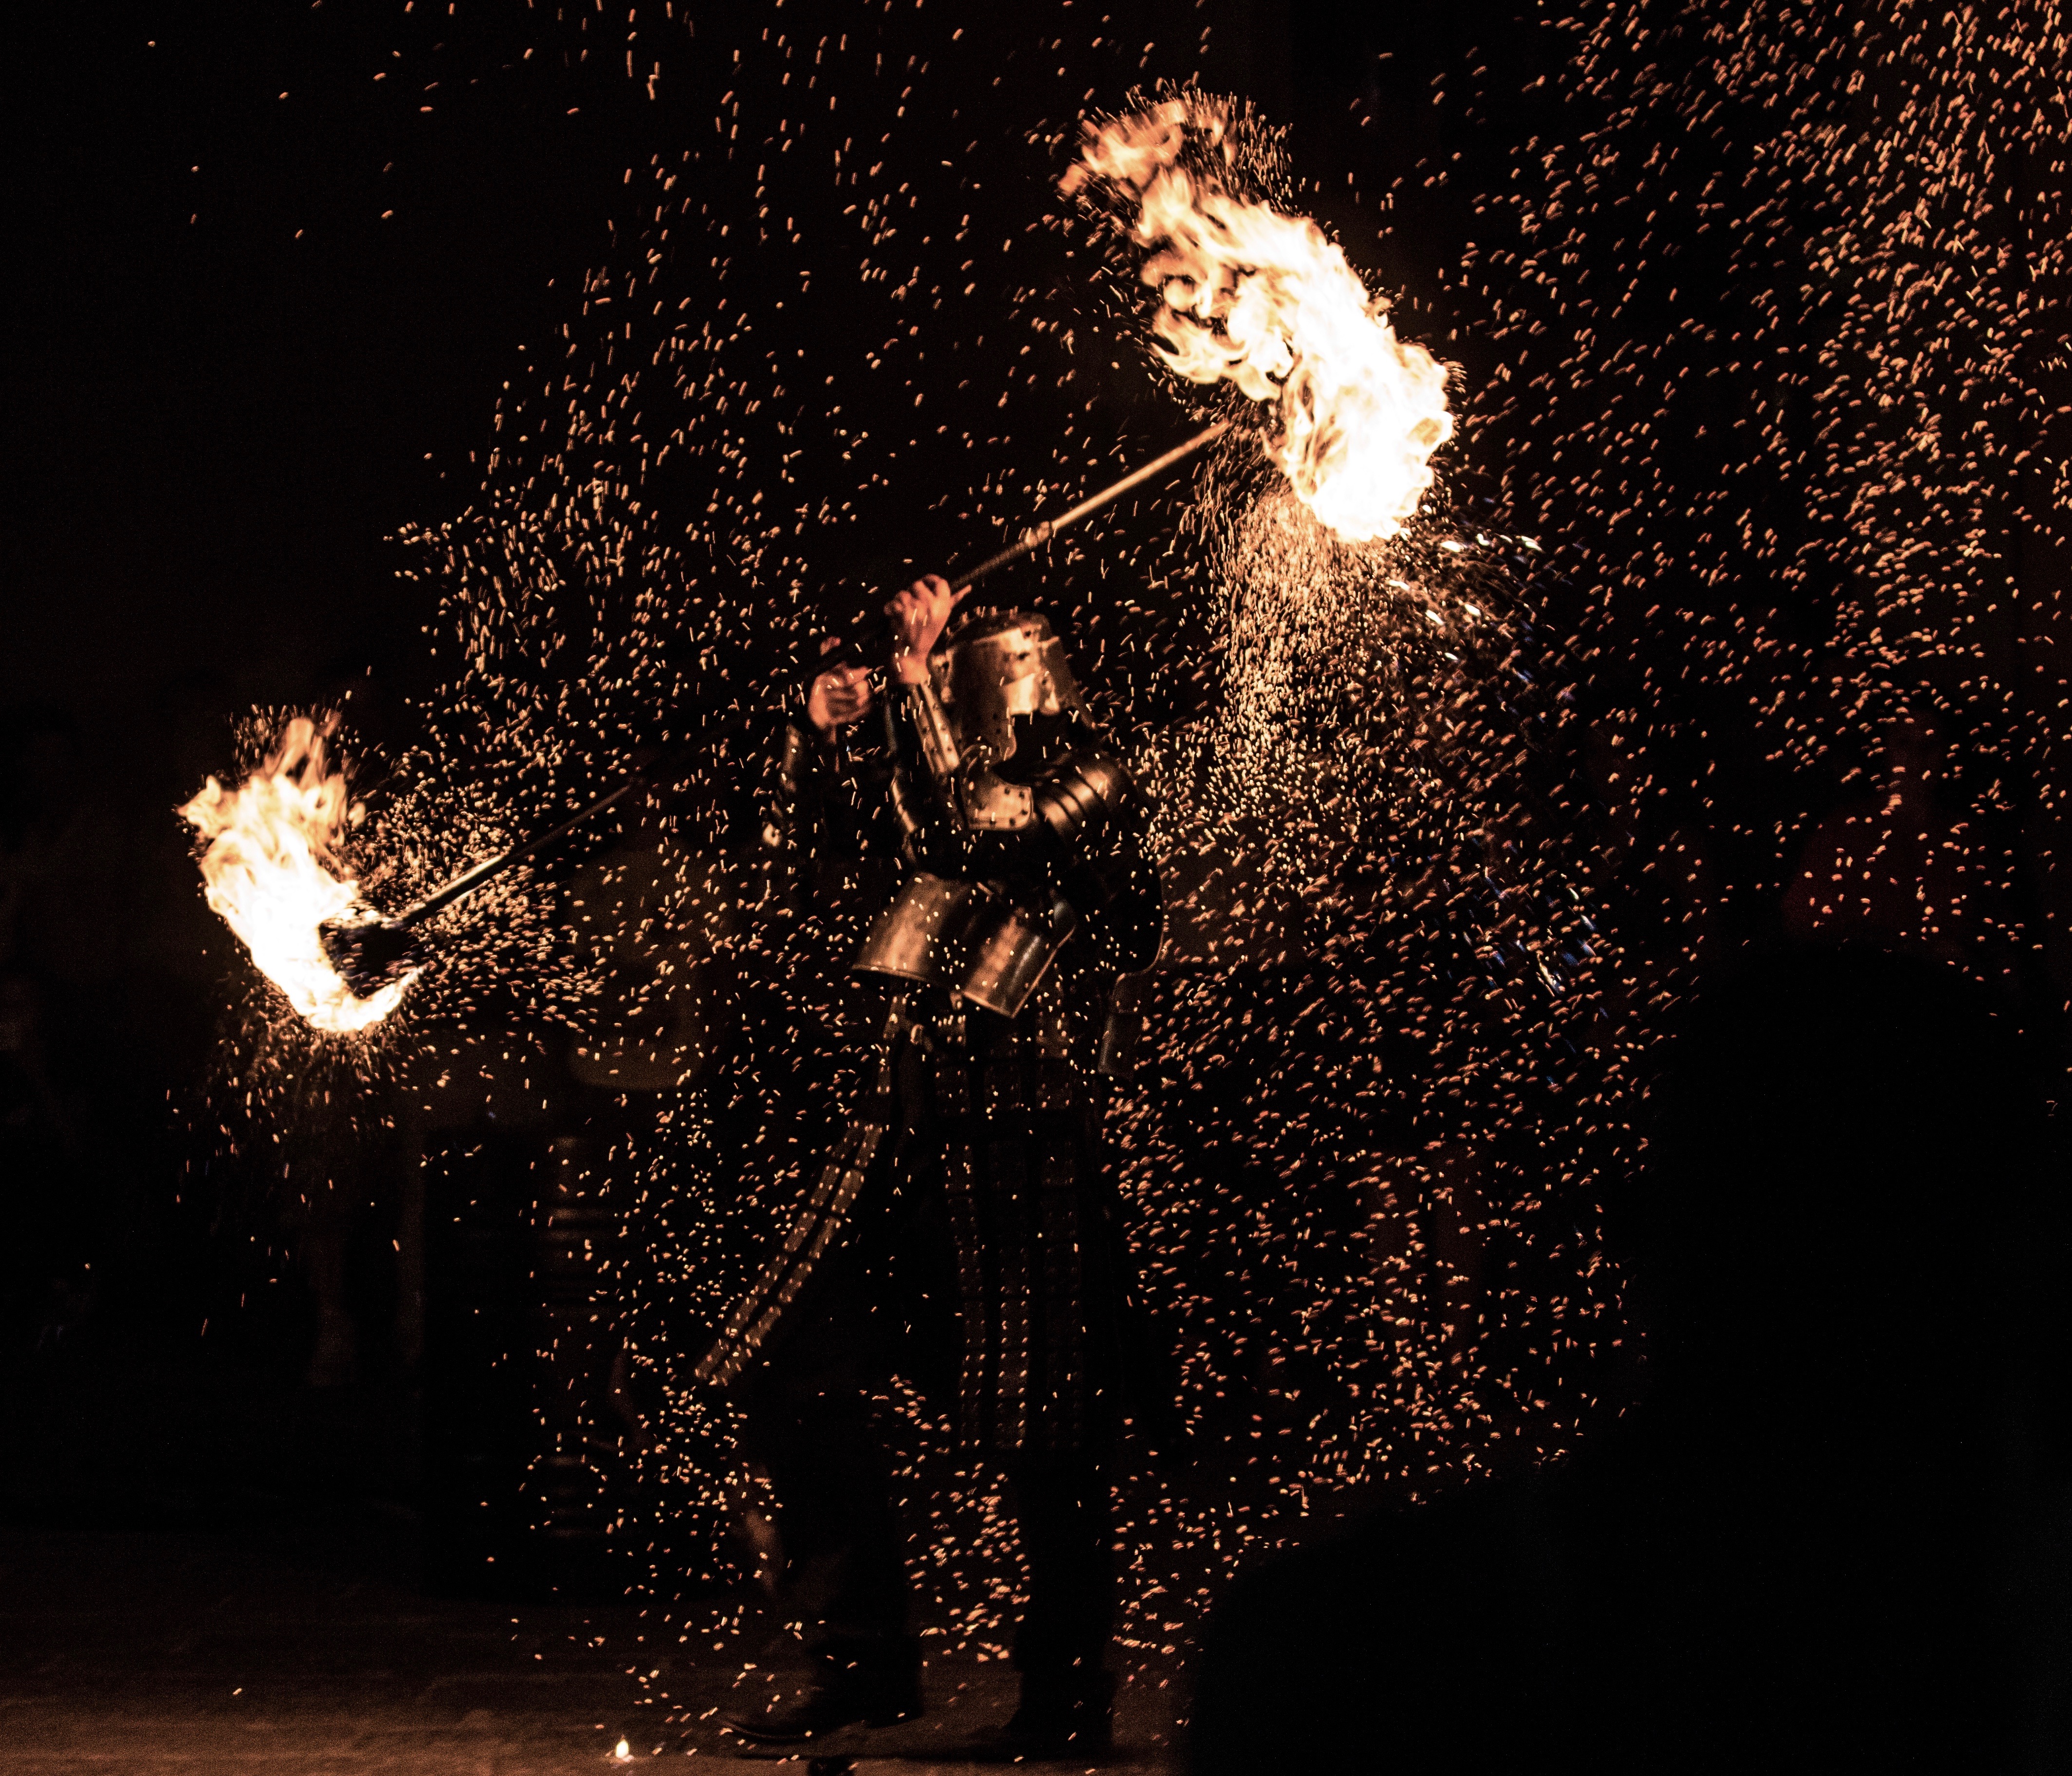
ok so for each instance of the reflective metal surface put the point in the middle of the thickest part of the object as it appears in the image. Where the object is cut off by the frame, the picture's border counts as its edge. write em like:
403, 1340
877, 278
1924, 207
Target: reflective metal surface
967, 938
911, 939
1010, 947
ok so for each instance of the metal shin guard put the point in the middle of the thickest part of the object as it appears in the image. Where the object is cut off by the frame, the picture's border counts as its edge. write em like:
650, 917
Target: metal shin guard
820, 1227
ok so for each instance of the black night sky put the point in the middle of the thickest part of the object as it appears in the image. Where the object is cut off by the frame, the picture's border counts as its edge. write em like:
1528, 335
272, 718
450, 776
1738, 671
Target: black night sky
274, 267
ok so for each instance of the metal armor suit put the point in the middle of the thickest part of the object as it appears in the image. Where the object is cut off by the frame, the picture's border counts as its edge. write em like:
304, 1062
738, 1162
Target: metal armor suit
1028, 892
968, 1180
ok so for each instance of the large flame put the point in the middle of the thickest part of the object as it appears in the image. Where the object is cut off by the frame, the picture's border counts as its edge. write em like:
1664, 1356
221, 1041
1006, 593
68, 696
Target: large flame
271, 870
1264, 300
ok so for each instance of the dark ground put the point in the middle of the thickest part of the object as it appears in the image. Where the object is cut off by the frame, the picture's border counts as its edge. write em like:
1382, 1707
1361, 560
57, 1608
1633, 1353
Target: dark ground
276, 1647
311, 1648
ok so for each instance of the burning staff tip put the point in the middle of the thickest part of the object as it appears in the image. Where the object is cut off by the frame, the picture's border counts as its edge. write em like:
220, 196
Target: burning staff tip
271, 869
371, 952
1252, 296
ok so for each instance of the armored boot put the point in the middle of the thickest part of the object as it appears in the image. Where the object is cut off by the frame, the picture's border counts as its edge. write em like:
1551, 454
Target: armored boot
842, 1682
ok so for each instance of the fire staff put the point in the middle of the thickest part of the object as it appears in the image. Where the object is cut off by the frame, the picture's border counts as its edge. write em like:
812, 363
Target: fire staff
965, 1207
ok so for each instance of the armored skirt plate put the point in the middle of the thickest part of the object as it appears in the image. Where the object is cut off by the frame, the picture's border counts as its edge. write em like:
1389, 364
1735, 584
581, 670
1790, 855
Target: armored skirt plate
969, 938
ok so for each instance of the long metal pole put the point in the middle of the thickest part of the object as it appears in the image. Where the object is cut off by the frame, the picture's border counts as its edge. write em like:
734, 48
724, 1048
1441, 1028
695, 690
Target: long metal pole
469, 880
1035, 537
1030, 540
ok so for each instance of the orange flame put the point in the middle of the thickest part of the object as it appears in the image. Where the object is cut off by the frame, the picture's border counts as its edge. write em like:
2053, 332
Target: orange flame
1264, 300
269, 871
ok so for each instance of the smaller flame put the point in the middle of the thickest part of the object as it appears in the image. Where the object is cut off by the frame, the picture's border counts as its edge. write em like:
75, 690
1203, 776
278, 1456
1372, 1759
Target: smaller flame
271, 871
1266, 301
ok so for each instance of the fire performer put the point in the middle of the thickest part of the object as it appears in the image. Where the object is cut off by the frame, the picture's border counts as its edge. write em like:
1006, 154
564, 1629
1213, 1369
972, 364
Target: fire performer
964, 1208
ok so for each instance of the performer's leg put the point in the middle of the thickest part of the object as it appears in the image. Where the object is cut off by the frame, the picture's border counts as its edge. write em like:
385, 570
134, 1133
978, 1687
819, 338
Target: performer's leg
1066, 1517
809, 1422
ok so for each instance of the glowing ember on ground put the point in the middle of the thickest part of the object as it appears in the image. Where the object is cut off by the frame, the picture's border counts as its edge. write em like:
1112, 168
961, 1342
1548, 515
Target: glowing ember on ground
1264, 300
271, 870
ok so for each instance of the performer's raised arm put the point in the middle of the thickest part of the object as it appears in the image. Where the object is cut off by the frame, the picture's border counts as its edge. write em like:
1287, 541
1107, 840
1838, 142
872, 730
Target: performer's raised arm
822, 803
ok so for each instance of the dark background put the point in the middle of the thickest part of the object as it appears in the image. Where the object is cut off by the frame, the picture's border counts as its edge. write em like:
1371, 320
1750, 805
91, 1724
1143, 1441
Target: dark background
261, 320
251, 335
264, 309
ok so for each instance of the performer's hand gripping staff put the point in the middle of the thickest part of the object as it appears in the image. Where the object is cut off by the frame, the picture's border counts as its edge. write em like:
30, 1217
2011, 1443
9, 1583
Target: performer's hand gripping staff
370, 949
841, 694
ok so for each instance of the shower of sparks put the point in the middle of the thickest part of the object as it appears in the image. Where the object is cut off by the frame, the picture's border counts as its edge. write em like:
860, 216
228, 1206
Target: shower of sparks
1253, 296
271, 869
1779, 393
1803, 426
1392, 1058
